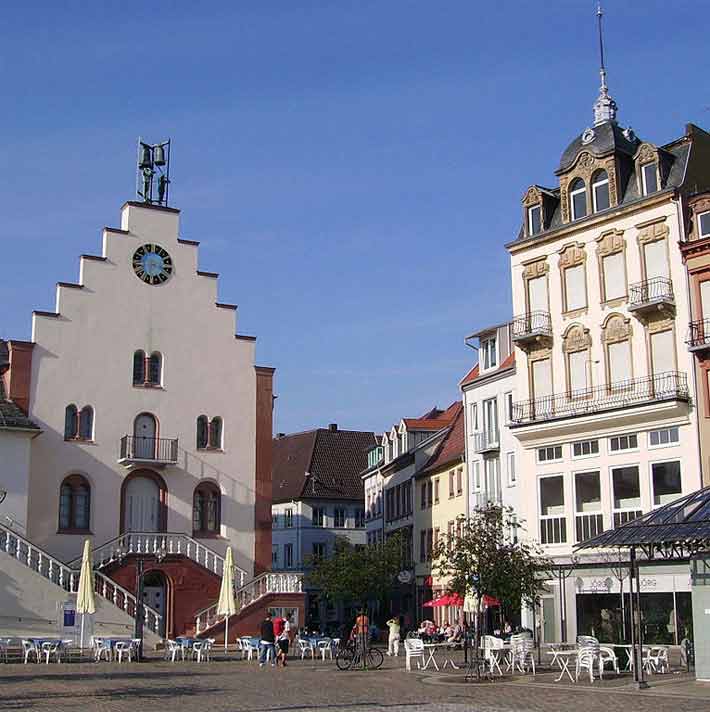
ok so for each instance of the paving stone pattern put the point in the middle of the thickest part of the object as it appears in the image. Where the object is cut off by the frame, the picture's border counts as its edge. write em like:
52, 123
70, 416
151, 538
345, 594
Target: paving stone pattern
230, 685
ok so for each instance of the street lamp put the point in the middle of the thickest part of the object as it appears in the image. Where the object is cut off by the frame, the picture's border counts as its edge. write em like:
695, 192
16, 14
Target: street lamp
564, 571
3, 494
158, 557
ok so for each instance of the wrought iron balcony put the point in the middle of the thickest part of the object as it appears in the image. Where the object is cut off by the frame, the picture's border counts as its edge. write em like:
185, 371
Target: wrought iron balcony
487, 441
698, 335
656, 293
531, 326
137, 450
670, 385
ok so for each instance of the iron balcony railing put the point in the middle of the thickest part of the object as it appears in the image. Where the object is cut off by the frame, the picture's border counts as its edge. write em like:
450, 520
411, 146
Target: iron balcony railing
152, 449
531, 324
486, 441
698, 334
670, 385
658, 290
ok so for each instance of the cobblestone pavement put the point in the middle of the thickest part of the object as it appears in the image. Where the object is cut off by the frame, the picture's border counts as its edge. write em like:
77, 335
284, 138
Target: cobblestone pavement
224, 685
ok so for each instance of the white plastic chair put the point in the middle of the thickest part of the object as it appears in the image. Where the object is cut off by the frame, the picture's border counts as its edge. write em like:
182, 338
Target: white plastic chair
52, 648
123, 647
523, 656
608, 656
248, 648
238, 648
491, 646
325, 647
28, 649
306, 649
587, 655
413, 649
101, 649
656, 660
201, 650
173, 649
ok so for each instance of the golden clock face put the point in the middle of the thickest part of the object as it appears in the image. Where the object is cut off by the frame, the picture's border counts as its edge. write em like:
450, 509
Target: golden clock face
152, 264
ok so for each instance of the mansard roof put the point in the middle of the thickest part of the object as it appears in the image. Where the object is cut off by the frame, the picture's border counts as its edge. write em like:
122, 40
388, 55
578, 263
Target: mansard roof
602, 140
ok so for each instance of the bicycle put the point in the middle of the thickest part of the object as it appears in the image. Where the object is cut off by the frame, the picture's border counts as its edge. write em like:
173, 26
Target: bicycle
351, 655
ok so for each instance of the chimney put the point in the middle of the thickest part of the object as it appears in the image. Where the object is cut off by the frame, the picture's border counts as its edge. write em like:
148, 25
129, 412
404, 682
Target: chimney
333, 427
280, 435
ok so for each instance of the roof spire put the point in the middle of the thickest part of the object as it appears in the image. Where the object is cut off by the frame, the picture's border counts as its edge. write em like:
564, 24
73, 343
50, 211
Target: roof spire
604, 107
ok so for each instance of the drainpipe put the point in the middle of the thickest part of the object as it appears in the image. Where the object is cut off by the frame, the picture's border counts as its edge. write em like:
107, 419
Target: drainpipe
681, 223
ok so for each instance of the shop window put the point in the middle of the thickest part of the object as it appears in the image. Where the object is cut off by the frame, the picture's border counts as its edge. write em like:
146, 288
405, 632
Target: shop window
206, 510
74, 505
666, 482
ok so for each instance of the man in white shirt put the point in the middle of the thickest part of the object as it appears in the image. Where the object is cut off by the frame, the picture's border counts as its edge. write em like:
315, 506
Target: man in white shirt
393, 644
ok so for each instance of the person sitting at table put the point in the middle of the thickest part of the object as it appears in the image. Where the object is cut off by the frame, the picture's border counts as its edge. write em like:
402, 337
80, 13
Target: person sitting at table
455, 634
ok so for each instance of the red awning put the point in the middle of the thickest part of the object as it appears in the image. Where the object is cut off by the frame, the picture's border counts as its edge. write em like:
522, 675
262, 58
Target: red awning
490, 602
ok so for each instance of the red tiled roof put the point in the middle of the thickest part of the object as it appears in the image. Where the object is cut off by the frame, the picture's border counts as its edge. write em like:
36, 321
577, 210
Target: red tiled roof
452, 447
475, 372
434, 419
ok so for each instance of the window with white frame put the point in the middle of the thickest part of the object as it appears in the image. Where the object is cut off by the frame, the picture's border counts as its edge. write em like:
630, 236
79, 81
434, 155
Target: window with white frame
512, 475
473, 418
704, 224
614, 276
589, 519
575, 288
534, 219
551, 453
476, 467
553, 525
649, 178
626, 492
578, 199
288, 517
662, 351
621, 443
541, 377
667, 436
655, 259
489, 353
578, 371
666, 482
600, 191
619, 362
508, 407
585, 448
318, 516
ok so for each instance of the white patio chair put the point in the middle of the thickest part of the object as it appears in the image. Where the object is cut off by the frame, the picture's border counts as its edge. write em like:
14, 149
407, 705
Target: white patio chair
325, 647
238, 648
608, 656
587, 655
123, 648
523, 656
491, 654
248, 648
29, 649
173, 649
413, 649
655, 659
52, 649
306, 649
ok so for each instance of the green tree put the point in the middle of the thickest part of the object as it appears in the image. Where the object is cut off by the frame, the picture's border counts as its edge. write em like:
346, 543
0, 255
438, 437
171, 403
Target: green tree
485, 556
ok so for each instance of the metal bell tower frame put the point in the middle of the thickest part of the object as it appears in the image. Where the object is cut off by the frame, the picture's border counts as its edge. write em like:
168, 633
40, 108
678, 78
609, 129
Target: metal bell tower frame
153, 172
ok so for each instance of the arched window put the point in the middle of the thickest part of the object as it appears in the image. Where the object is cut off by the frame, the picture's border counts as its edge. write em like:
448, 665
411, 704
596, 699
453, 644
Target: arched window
216, 433
71, 422
206, 509
616, 334
600, 191
578, 199
155, 367
74, 504
86, 423
202, 432
139, 368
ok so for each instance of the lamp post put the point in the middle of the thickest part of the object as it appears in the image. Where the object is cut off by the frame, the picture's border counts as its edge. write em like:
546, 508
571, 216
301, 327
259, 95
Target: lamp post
158, 557
564, 571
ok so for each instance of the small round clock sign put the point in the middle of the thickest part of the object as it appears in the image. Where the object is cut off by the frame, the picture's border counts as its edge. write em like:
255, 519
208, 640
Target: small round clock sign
152, 264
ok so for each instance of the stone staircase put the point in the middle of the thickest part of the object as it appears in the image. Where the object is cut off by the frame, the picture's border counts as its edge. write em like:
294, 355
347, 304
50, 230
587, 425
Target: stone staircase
66, 576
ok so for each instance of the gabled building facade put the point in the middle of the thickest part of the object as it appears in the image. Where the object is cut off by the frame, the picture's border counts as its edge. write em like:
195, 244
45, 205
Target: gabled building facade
604, 408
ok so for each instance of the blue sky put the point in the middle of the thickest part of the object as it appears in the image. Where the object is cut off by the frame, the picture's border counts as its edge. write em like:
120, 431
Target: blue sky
352, 168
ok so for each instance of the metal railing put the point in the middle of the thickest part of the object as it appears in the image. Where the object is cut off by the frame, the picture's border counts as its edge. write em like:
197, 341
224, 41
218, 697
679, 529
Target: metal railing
486, 440
67, 577
173, 543
483, 499
588, 525
698, 333
671, 385
534, 323
136, 447
245, 596
626, 516
650, 291
553, 530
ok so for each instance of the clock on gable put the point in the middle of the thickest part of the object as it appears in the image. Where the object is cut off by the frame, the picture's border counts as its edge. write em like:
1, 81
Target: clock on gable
152, 264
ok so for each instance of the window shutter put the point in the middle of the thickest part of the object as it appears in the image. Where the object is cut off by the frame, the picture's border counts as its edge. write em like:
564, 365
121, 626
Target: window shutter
574, 287
537, 294
619, 362
578, 370
542, 378
656, 261
614, 277
662, 352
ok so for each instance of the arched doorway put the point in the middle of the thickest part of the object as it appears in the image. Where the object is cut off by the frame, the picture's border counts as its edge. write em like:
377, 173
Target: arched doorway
155, 595
143, 503
145, 432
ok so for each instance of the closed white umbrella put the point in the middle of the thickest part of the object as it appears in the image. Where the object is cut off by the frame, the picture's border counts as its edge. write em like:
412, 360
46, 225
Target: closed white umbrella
85, 593
227, 606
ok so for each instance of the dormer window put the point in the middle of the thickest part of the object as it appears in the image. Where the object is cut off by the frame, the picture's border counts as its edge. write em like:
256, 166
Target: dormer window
649, 178
489, 353
578, 199
534, 219
704, 225
600, 191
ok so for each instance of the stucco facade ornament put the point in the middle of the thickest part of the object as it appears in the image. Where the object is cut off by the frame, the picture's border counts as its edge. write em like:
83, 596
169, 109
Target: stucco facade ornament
585, 167
610, 242
532, 196
572, 255
661, 323
539, 351
650, 232
538, 268
616, 328
646, 153
576, 338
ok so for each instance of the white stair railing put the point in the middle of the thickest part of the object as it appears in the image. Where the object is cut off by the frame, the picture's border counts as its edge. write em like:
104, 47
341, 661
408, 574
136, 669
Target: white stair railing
67, 577
247, 595
173, 543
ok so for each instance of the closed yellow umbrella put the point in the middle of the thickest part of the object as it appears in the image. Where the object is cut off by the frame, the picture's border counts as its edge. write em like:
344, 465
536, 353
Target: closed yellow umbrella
227, 606
85, 593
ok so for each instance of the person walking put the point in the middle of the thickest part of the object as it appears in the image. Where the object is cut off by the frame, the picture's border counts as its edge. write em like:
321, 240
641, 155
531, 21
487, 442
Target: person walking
267, 641
283, 638
393, 641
